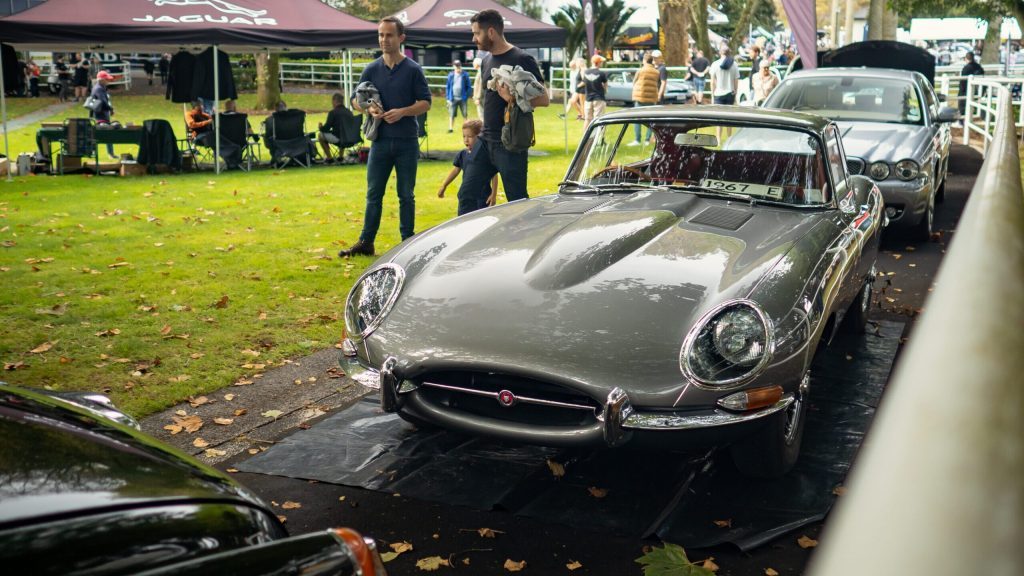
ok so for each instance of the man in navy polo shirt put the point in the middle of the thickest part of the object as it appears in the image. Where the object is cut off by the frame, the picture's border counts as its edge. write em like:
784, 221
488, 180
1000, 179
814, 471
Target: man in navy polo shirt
404, 95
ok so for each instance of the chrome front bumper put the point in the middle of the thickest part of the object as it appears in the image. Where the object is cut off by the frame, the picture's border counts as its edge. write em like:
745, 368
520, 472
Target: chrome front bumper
617, 417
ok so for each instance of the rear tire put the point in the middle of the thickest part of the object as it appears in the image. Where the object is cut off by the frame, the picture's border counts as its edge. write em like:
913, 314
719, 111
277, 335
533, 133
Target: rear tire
772, 450
856, 319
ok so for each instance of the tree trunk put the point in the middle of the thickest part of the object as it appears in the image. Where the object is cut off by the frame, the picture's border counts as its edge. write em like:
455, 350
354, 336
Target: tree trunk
675, 23
889, 22
990, 52
833, 23
268, 87
876, 17
699, 8
743, 24
850, 7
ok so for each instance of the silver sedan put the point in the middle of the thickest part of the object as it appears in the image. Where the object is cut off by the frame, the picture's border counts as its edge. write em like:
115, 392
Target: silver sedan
894, 130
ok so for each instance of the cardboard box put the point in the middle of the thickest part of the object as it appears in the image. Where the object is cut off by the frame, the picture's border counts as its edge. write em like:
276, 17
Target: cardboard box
70, 163
132, 168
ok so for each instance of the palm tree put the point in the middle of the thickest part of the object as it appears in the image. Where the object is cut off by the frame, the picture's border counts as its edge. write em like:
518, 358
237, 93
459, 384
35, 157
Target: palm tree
609, 24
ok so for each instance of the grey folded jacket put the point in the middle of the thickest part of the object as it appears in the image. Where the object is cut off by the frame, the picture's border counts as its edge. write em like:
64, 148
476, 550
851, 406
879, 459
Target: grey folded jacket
367, 94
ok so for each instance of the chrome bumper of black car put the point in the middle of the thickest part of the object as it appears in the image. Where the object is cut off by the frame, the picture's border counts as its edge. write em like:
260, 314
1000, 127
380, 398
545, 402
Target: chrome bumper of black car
617, 417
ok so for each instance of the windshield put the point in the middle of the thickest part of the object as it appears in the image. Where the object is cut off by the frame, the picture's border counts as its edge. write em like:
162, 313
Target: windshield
761, 163
851, 98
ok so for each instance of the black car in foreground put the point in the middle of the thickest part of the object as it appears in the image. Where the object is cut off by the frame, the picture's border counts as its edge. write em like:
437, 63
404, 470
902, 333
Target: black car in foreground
83, 491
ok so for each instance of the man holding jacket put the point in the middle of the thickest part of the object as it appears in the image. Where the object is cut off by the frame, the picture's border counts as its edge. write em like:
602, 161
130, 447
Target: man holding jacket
457, 92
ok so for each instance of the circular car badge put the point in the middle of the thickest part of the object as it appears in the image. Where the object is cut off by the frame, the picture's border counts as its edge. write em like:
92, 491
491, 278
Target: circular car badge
506, 398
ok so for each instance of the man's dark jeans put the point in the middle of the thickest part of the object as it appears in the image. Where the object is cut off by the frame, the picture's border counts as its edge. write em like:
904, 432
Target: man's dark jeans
490, 158
400, 154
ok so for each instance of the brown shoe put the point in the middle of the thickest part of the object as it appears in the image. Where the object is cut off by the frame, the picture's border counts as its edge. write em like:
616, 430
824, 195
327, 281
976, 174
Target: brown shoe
359, 247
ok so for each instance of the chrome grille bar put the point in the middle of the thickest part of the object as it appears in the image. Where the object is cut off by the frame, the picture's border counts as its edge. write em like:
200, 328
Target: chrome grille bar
523, 399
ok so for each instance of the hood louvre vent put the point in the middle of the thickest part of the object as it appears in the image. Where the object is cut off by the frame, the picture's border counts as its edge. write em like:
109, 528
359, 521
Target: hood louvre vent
575, 206
725, 218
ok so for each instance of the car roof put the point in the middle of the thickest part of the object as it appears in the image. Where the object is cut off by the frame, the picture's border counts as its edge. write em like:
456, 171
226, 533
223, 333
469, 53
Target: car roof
766, 117
860, 71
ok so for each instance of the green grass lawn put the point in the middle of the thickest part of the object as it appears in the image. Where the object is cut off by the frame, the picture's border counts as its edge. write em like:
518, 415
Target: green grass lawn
20, 106
158, 288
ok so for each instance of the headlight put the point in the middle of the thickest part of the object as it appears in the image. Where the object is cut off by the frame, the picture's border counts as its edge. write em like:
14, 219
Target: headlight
879, 171
907, 169
371, 299
728, 345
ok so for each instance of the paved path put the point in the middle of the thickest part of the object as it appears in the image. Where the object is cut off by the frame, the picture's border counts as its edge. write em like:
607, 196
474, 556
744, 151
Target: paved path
37, 116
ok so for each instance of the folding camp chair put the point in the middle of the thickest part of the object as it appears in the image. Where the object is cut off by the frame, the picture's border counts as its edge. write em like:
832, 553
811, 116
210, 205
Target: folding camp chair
286, 138
421, 127
79, 139
235, 147
199, 152
348, 130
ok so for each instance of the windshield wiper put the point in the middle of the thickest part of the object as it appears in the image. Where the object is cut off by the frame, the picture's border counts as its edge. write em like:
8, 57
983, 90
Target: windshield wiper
603, 188
706, 192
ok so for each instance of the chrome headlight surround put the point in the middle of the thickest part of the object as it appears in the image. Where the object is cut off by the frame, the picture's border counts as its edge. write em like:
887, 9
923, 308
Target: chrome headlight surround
878, 170
907, 170
371, 299
707, 345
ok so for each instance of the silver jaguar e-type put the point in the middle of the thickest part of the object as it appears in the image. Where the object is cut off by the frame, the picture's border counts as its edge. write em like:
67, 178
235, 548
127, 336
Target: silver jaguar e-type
670, 295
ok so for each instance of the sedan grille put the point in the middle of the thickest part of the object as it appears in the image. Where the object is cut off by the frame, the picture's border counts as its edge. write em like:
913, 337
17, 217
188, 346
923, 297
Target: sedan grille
855, 166
507, 397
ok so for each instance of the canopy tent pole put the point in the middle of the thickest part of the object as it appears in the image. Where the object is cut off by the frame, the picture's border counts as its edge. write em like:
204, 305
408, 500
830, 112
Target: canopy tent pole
569, 92
216, 110
3, 113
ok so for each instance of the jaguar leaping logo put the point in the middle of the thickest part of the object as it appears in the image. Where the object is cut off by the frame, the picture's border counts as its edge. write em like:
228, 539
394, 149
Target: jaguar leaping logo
226, 7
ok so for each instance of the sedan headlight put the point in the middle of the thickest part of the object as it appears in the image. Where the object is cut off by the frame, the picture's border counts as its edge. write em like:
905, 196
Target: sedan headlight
907, 170
371, 299
879, 171
728, 345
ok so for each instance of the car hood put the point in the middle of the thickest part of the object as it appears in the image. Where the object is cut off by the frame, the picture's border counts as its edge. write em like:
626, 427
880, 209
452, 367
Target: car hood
60, 460
874, 141
559, 284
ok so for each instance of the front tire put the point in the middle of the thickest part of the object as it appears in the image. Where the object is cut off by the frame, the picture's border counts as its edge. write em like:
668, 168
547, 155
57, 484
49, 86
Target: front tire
772, 451
923, 231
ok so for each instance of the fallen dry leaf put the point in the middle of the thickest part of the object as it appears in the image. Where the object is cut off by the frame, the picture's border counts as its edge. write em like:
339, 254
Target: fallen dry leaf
289, 505
231, 470
44, 347
229, 397
117, 264
213, 453
282, 518
222, 303
272, 414
14, 365
189, 424
400, 547
166, 329
770, 572
252, 353
574, 565
431, 563
196, 355
597, 492
108, 332
709, 564
240, 412
806, 542
513, 566
724, 523
224, 421
200, 443
488, 532
198, 401
556, 468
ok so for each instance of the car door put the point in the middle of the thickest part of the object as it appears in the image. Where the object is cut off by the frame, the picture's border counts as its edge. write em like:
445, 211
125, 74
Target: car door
941, 136
620, 86
851, 220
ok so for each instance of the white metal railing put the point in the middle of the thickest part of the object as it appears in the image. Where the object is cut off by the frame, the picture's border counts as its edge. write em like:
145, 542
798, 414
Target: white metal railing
120, 70
982, 106
936, 488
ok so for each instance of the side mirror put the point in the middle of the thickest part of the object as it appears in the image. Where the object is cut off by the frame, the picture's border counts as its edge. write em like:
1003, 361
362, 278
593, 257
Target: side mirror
947, 114
862, 186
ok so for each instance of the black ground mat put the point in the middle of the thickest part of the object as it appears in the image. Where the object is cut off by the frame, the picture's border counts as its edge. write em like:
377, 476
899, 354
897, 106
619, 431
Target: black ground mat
696, 500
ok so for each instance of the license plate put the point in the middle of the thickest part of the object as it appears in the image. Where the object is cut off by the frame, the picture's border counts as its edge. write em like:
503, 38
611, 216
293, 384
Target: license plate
774, 192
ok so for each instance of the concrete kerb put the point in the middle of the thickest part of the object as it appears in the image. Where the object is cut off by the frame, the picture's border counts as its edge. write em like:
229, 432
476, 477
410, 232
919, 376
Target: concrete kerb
302, 390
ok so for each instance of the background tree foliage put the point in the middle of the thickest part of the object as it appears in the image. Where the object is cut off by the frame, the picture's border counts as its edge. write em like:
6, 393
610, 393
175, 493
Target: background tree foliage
609, 24
368, 9
994, 11
742, 15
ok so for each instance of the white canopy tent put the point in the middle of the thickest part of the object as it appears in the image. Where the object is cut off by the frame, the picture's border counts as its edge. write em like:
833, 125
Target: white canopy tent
934, 29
